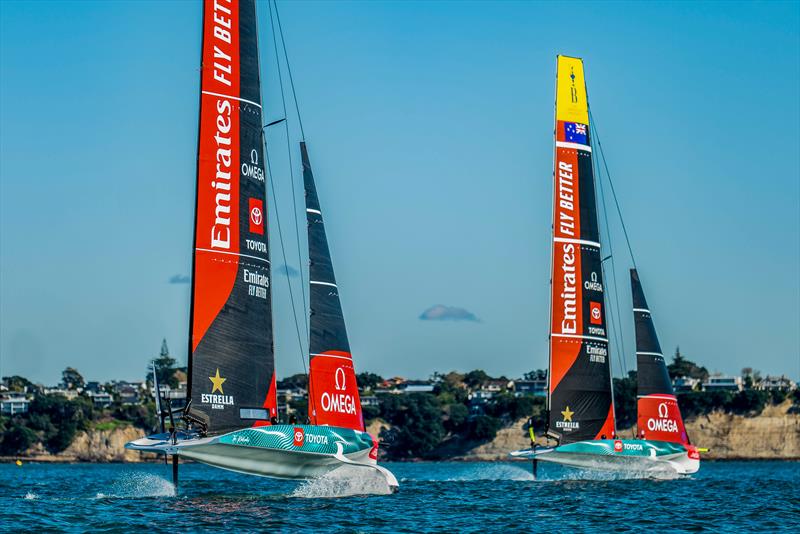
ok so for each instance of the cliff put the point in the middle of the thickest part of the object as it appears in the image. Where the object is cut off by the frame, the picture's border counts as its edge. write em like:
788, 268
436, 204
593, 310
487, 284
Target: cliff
107, 445
772, 435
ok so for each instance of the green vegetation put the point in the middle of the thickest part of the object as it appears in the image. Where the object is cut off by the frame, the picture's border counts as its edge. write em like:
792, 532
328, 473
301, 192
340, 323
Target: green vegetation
463, 410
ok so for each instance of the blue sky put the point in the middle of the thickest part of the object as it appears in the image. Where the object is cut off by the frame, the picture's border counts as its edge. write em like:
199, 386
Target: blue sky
430, 132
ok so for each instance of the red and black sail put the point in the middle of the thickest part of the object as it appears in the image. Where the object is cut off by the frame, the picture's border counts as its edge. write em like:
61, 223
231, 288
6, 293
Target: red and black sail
659, 417
333, 392
580, 399
231, 363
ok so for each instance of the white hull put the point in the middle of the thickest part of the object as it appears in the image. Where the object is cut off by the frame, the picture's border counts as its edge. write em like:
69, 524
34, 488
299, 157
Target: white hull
676, 463
263, 461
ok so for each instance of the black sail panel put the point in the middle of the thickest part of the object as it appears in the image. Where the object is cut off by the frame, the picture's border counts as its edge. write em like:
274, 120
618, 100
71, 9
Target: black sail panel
333, 392
651, 367
231, 363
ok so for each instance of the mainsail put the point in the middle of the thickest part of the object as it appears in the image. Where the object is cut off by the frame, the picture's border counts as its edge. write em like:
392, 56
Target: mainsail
333, 392
659, 417
231, 364
580, 400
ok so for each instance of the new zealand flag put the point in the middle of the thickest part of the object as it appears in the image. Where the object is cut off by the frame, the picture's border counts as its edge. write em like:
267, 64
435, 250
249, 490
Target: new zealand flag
575, 132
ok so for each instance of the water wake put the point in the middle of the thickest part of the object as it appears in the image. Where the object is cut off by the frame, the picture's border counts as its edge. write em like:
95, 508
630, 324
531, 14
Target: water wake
139, 485
344, 481
30, 496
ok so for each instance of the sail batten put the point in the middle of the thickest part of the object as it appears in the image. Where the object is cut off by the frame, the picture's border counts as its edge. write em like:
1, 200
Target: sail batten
579, 399
231, 363
333, 392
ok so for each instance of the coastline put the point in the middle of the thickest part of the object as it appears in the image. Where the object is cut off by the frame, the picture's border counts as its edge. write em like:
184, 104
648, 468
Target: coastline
774, 434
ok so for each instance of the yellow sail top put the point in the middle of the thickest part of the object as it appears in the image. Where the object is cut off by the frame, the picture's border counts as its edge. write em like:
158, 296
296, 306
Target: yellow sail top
571, 102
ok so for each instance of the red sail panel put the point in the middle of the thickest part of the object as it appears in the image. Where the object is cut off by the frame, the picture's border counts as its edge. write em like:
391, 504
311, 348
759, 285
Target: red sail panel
231, 363
333, 391
580, 401
659, 419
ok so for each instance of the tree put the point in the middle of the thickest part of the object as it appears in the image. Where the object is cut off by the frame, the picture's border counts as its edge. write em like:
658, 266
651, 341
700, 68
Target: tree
417, 419
484, 428
165, 367
458, 414
680, 366
16, 439
72, 379
476, 378
625, 390
538, 374
18, 383
368, 380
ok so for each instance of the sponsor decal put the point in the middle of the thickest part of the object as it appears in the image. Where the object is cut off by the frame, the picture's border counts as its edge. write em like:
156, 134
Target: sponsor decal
567, 423
252, 169
256, 246
217, 402
569, 323
257, 283
256, 216
299, 436
239, 439
617, 445
595, 313
573, 91
339, 402
633, 447
592, 284
693, 453
221, 229
597, 353
664, 423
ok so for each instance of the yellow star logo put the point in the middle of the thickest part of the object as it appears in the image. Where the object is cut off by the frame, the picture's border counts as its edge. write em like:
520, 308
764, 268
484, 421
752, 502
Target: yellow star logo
566, 413
218, 381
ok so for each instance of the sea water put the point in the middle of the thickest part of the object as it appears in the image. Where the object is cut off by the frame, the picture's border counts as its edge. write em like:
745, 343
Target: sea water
439, 497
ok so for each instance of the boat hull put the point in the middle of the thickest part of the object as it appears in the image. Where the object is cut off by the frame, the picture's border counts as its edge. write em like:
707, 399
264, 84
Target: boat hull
620, 455
277, 451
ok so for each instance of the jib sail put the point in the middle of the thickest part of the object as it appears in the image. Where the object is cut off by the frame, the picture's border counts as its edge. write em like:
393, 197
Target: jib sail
231, 363
659, 417
333, 392
580, 401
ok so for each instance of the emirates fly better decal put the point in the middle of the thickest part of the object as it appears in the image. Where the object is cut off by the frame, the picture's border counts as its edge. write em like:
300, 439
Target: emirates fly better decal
580, 382
231, 363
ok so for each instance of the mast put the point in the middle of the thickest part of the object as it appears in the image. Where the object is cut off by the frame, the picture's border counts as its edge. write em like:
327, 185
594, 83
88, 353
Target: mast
231, 363
332, 389
659, 417
580, 406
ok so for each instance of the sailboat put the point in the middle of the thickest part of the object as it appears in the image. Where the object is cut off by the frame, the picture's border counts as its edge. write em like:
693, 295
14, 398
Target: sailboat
231, 418
580, 396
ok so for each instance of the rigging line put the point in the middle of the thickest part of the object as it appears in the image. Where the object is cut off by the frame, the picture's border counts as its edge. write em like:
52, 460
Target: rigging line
613, 191
289, 70
283, 254
291, 168
621, 352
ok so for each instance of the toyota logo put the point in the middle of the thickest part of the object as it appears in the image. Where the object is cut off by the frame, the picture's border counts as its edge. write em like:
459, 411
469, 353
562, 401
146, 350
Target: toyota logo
663, 410
596, 313
340, 382
256, 215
